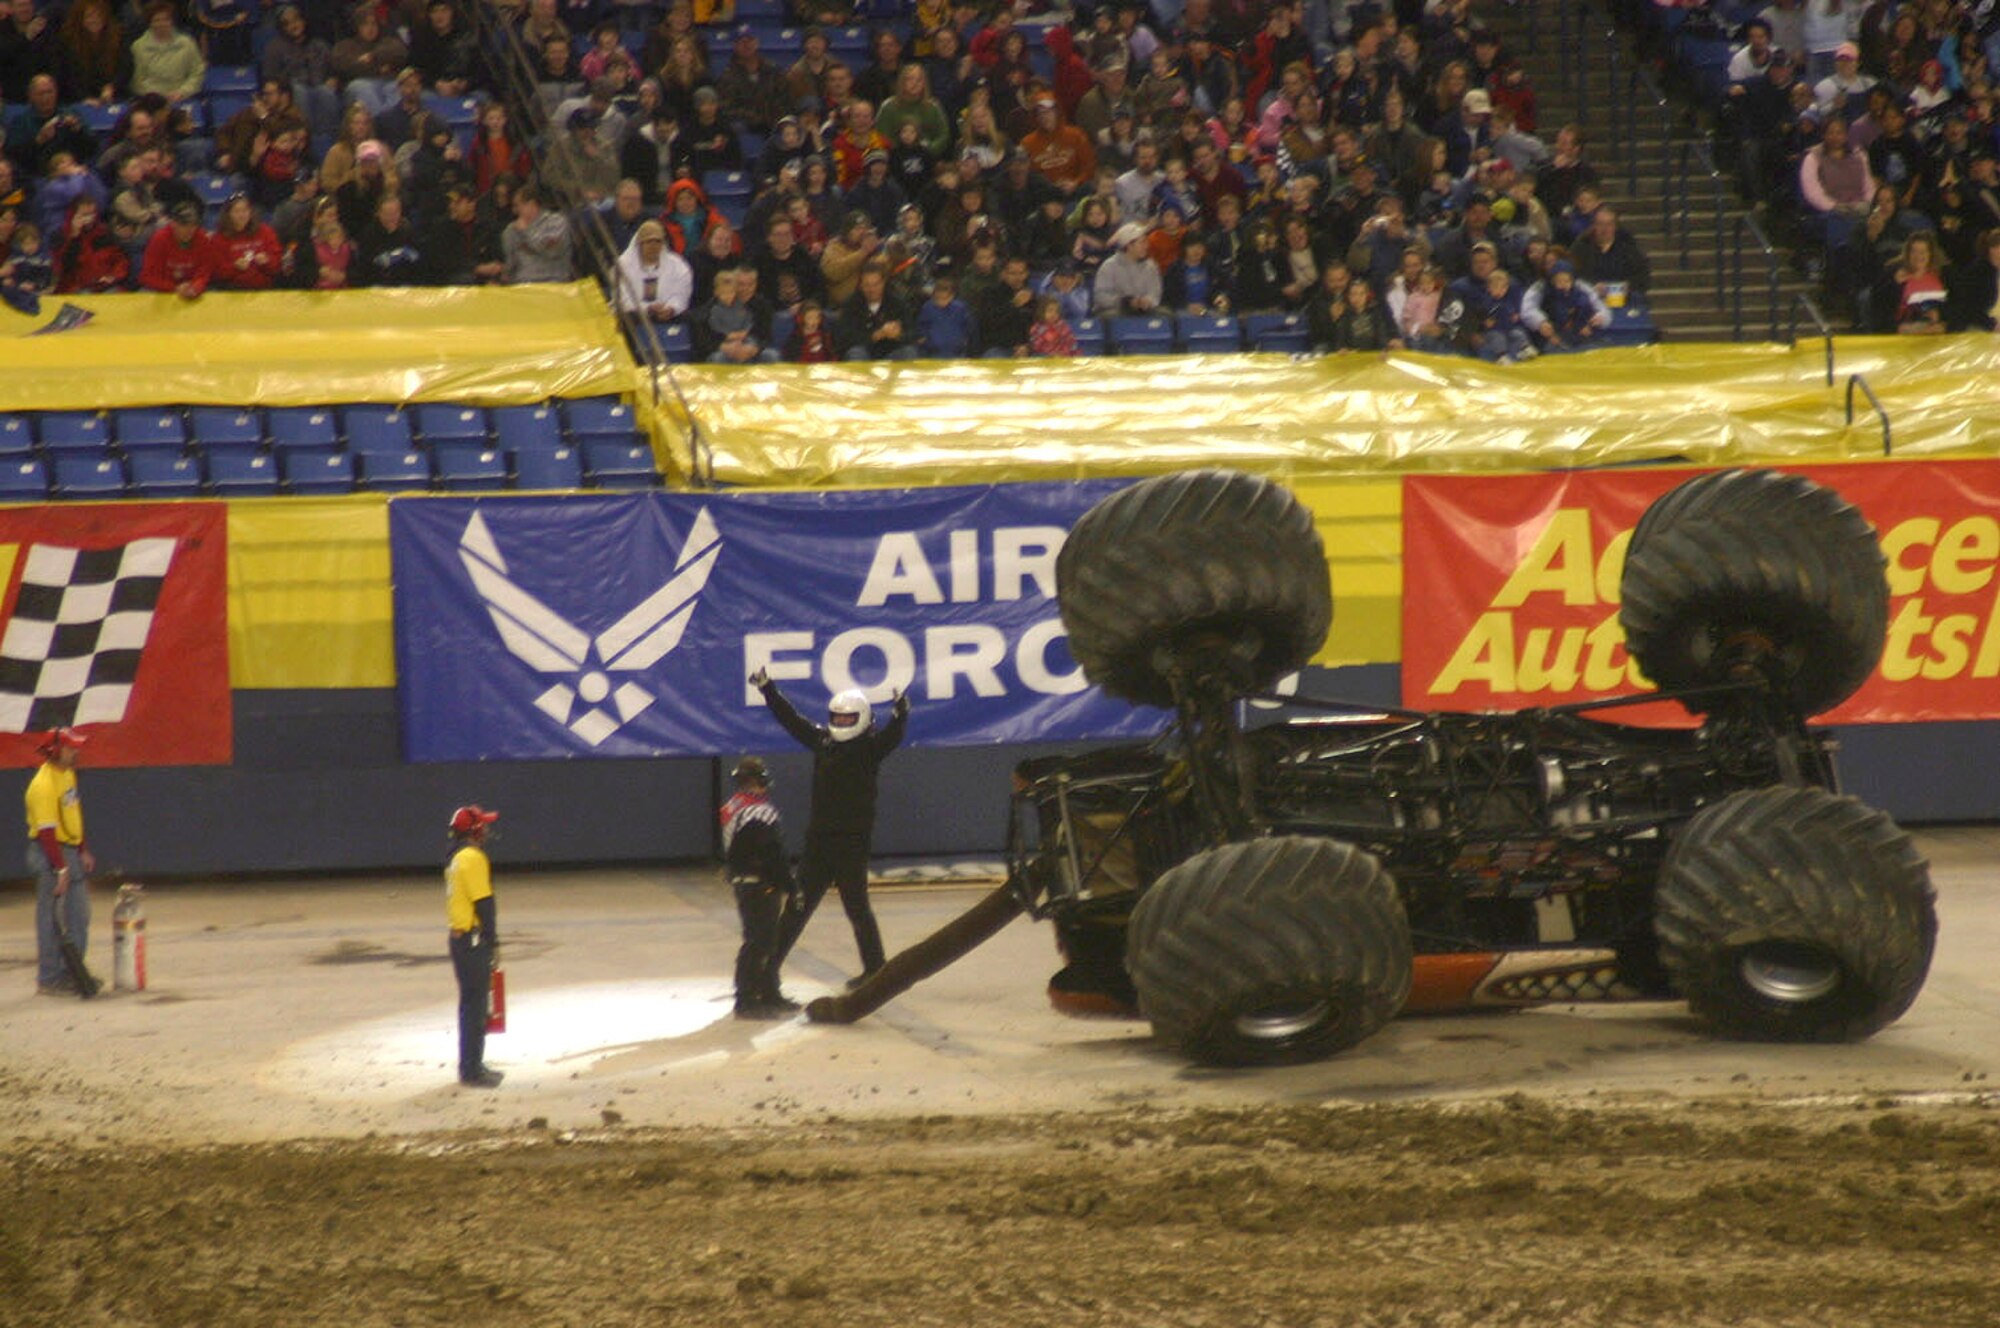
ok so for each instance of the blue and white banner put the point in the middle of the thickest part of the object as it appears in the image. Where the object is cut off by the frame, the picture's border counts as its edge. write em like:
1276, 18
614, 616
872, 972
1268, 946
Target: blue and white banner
628, 625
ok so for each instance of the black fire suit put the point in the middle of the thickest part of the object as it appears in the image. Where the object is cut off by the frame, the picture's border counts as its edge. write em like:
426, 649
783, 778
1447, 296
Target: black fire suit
841, 825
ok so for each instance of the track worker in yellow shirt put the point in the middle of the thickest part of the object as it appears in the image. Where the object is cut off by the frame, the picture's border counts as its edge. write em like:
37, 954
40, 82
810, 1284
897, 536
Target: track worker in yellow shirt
475, 938
59, 860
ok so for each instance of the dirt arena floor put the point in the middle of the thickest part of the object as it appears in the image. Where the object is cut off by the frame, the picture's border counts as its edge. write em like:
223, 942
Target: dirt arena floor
270, 1135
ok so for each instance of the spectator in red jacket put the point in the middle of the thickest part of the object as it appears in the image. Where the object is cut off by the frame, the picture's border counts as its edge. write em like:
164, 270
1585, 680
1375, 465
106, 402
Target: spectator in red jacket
180, 258
88, 259
246, 248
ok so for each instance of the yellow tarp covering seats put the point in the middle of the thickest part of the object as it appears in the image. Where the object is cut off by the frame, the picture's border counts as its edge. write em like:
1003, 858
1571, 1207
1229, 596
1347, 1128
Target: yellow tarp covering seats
987, 420
485, 346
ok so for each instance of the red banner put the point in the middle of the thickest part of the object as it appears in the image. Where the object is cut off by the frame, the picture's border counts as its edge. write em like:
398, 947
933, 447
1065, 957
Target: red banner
115, 622
1510, 588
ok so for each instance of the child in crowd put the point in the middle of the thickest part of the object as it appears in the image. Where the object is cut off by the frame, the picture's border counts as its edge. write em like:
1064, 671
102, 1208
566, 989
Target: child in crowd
1419, 322
811, 341
944, 324
1503, 338
1071, 291
1178, 191
1565, 312
911, 164
28, 272
1188, 284
1051, 335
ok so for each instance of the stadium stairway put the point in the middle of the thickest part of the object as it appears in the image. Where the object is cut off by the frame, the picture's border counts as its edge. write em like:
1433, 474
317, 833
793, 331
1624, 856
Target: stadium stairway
1635, 179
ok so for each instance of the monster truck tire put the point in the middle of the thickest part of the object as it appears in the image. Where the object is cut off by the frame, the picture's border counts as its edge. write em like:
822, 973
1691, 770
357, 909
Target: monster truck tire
1795, 915
1753, 558
1270, 952
1206, 552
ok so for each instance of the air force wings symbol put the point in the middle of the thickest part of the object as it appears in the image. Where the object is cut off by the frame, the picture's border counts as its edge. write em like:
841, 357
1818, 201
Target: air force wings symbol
546, 642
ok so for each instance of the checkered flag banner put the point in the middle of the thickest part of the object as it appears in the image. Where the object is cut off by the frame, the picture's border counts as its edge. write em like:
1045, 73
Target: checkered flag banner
71, 650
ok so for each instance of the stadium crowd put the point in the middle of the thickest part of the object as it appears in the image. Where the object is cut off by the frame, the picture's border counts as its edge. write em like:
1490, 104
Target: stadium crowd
968, 180
1874, 130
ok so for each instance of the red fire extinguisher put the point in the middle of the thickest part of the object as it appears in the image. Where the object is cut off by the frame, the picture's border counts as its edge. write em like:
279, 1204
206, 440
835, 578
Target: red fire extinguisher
496, 997
128, 939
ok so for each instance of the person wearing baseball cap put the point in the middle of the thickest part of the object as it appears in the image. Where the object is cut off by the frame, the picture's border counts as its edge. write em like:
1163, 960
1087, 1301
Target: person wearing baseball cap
475, 938
1844, 90
60, 860
181, 256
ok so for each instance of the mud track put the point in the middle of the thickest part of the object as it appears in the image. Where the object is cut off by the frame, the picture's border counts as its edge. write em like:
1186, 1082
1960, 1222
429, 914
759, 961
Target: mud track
1499, 1213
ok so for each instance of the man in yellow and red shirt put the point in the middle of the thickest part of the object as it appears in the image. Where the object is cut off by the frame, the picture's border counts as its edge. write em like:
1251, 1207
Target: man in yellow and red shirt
475, 938
60, 861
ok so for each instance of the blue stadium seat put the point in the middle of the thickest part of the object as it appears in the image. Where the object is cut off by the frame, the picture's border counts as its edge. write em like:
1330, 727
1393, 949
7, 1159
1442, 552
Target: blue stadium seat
219, 428
1276, 332
319, 472
1089, 336
527, 428
751, 143
389, 472
165, 475
471, 470
612, 465
234, 474
80, 475
559, 468
16, 438
230, 78
849, 46
149, 430
100, 120
23, 480
72, 431
224, 106
377, 429
214, 190
454, 111
599, 417
678, 343
452, 424
1209, 335
1143, 335
749, 11
302, 428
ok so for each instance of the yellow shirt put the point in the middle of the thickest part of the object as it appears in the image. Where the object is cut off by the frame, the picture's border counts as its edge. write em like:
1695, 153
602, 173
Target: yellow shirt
53, 801
468, 877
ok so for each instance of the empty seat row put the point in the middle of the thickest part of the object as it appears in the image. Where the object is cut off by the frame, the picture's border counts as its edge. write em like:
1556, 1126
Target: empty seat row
601, 463
362, 428
1159, 334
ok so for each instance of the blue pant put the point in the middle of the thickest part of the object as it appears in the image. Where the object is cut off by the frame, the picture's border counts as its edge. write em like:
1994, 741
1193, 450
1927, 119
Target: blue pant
472, 965
75, 905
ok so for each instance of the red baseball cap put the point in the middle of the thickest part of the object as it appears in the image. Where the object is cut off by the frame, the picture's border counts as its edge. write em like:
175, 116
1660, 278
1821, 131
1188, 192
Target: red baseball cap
57, 739
471, 818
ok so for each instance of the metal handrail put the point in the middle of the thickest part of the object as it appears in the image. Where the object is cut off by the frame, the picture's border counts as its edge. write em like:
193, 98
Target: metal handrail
516, 68
1803, 302
1748, 222
1854, 381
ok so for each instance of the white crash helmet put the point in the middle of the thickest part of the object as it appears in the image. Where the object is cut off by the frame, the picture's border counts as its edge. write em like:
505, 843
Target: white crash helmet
848, 715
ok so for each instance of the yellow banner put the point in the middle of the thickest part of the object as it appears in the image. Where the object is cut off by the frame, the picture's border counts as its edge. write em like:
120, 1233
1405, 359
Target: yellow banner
981, 421
1362, 524
309, 593
486, 346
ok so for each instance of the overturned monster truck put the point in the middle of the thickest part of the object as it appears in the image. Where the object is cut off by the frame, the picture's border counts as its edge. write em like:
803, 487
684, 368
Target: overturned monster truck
1277, 894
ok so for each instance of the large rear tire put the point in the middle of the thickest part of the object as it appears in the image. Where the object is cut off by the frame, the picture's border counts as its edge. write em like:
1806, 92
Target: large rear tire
1755, 573
1271, 951
1792, 914
1209, 555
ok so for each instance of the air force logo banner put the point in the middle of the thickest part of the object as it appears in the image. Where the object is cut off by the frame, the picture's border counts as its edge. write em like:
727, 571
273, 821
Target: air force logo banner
626, 625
